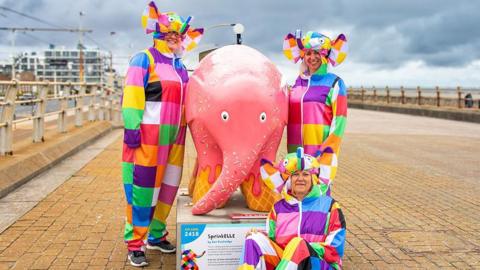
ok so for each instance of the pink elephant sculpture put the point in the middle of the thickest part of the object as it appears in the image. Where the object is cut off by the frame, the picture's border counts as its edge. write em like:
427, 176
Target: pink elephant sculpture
236, 110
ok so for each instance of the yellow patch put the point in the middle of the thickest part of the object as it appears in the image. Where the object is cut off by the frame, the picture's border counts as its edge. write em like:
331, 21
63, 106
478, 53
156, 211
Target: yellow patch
312, 134
134, 97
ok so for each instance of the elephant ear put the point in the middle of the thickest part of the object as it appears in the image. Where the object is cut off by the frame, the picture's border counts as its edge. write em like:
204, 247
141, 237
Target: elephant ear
154, 21
339, 50
272, 176
191, 38
292, 48
150, 18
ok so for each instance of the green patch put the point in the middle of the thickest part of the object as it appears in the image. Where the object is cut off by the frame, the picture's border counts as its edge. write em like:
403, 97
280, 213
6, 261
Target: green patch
157, 229
326, 132
132, 118
340, 123
142, 196
272, 229
283, 264
168, 134
128, 234
319, 249
127, 172
292, 148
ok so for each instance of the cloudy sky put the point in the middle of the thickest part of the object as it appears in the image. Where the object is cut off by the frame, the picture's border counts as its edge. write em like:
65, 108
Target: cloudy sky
407, 42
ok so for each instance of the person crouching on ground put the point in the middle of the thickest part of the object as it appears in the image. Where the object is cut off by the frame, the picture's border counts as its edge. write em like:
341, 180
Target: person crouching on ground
305, 229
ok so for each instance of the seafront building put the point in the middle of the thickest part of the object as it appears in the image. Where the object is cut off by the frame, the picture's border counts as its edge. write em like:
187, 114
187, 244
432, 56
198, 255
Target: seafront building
60, 65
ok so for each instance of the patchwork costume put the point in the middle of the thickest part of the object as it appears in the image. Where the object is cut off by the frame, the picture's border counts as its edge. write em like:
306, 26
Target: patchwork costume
155, 128
306, 234
317, 102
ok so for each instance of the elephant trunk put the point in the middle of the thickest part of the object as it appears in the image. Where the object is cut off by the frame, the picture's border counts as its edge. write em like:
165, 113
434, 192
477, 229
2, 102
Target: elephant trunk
236, 167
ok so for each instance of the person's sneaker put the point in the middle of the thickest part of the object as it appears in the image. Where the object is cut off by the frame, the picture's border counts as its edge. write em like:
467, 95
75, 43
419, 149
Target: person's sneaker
137, 258
164, 246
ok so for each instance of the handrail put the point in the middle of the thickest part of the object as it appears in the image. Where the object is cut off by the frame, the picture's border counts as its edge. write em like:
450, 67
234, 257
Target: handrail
103, 104
435, 97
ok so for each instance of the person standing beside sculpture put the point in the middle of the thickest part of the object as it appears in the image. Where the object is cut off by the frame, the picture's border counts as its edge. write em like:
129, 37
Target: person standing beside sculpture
318, 99
155, 130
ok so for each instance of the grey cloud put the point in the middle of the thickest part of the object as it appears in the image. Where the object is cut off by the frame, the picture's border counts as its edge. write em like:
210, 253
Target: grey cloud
384, 33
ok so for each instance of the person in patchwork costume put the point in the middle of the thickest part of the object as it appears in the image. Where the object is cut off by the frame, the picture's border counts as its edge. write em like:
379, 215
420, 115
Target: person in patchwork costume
155, 130
318, 99
305, 229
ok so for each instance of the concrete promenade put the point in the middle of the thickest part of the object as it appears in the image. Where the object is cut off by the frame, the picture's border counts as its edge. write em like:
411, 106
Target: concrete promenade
409, 187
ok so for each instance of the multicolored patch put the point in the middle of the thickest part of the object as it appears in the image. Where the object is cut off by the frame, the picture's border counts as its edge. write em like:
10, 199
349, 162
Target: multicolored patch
160, 24
295, 46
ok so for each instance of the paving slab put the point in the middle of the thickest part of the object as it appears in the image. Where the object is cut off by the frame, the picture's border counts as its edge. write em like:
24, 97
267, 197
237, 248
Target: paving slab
408, 186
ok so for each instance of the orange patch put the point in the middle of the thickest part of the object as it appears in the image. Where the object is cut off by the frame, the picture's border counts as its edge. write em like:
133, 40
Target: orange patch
159, 176
128, 213
146, 155
140, 232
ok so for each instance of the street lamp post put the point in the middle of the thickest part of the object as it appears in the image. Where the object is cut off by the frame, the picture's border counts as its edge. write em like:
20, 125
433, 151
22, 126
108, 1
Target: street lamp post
238, 29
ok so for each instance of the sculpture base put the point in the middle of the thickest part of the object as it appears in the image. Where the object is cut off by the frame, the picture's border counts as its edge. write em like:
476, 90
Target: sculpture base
217, 234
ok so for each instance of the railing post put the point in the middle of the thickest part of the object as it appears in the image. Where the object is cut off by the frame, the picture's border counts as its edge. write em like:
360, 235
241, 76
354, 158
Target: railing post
362, 91
39, 117
403, 94
116, 109
459, 93
101, 105
6, 118
437, 89
388, 94
419, 93
91, 106
62, 115
79, 107
374, 94
111, 107
106, 105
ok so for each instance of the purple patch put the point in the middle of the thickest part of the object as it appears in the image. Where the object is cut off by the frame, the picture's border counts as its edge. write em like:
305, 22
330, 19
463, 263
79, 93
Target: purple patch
252, 252
284, 207
159, 58
144, 176
313, 222
300, 82
131, 137
167, 194
317, 94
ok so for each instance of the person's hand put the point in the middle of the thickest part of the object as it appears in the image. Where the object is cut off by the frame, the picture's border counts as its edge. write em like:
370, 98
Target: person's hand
132, 138
252, 231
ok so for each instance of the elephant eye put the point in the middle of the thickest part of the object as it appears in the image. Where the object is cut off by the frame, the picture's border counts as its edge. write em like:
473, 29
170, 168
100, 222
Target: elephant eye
285, 162
171, 19
225, 116
322, 41
263, 117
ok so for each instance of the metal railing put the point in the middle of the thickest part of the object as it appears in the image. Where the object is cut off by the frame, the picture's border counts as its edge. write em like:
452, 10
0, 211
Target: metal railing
79, 100
436, 97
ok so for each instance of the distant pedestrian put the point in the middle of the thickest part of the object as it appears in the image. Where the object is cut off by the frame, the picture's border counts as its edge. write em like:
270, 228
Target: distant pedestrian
155, 130
468, 100
318, 99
